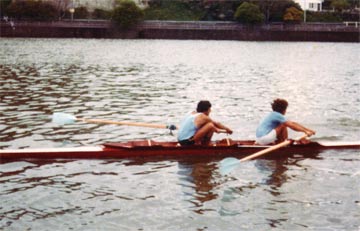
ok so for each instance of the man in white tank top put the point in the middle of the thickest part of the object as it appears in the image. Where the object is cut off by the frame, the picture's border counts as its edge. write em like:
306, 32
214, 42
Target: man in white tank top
198, 128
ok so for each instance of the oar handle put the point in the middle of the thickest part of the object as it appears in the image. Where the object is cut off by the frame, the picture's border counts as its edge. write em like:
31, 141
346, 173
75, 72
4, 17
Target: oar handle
97, 121
270, 149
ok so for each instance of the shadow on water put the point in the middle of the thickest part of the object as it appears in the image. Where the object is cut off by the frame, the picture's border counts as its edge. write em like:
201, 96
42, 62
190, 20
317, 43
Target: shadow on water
256, 183
202, 183
277, 169
201, 177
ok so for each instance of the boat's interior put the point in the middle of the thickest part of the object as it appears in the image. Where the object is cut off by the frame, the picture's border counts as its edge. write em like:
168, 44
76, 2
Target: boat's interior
152, 143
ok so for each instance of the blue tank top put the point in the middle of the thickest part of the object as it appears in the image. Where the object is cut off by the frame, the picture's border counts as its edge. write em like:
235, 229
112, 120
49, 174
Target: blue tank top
187, 127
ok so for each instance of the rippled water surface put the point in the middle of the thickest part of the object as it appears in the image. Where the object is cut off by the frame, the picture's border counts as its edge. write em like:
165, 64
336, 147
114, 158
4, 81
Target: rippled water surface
157, 81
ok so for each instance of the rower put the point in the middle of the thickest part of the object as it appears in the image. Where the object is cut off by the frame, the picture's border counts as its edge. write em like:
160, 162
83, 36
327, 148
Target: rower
198, 128
273, 128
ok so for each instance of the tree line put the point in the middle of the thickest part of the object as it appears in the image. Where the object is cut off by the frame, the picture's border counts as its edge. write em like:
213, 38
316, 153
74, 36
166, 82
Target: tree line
126, 13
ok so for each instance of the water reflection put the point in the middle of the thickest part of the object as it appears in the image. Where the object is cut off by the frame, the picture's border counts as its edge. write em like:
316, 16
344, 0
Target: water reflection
197, 178
201, 176
277, 169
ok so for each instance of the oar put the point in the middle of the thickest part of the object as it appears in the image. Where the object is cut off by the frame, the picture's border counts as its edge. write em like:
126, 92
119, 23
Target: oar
64, 118
230, 163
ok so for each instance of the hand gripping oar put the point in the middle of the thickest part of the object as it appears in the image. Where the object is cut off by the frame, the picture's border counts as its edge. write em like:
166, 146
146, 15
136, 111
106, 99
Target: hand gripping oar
230, 163
64, 118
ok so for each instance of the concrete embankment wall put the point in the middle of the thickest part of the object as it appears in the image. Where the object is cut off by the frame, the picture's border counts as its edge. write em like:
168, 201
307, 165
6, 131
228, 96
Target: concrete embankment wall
324, 32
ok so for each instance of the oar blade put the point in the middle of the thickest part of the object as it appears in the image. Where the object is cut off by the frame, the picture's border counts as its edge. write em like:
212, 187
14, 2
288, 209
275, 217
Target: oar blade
61, 118
227, 165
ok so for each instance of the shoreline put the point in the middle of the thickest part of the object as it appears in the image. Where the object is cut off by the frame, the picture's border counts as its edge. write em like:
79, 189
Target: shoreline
215, 30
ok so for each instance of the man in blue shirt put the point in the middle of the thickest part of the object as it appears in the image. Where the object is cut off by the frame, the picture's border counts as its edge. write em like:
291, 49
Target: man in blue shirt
273, 128
198, 128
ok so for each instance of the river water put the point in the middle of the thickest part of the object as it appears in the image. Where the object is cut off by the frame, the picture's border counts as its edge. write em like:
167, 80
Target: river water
158, 81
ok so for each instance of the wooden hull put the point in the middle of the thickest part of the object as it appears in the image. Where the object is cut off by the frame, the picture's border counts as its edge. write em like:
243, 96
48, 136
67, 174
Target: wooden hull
136, 149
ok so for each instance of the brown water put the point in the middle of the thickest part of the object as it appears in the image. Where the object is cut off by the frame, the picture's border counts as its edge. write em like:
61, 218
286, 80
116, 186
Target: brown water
157, 81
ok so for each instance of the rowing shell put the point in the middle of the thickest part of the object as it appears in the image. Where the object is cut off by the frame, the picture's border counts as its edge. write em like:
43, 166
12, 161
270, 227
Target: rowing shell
149, 148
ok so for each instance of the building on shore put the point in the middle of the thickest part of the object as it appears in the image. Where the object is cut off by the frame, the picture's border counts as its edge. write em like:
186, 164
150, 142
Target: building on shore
310, 5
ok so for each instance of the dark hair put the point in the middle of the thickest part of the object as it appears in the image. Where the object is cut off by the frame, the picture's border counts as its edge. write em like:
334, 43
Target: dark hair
279, 105
203, 106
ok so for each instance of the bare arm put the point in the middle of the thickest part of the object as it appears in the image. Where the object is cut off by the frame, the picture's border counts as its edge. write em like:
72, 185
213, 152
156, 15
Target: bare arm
298, 127
203, 119
221, 126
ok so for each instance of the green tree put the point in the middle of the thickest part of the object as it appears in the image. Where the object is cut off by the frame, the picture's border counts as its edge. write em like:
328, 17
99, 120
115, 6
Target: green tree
127, 14
101, 14
340, 5
249, 13
292, 14
173, 10
275, 10
81, 12
322, 17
